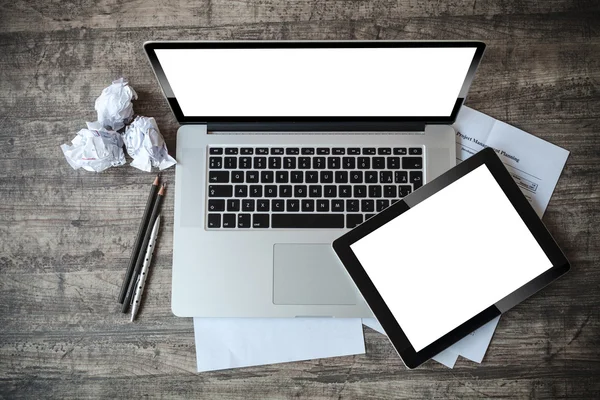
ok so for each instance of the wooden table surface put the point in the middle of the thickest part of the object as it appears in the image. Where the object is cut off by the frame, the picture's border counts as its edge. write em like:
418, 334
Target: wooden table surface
65, 235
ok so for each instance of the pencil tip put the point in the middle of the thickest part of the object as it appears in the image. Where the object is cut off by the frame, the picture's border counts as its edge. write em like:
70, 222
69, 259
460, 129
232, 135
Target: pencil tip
156, 180
162, 189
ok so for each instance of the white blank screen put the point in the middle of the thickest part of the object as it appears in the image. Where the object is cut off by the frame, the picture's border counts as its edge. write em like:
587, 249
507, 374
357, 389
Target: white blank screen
344, 82
450, 257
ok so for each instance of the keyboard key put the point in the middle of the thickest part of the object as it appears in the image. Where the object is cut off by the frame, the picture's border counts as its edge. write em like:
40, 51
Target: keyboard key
378, 163
228, 220
367, 205
300, 191
326, 177
364, 163
248, 205
262, 205
400, 177
415, 151
293, 205
260, 220
292, 151
338, 150
412, 162
260, 162
319, 163
341, 176
247, 150
218, 176
297, 177
385, 177
389, 191
262, 151
216, 205
277, 150
416, 178
237, 177
245, 162
315, 191
369, 216
231, 162
400, 151
215, 162
307, 151
233, 205
352, 206
404, 190
215, 150
356, 177
289, 162
271, 191
256, 191
393, 163
304, 162
384, 151
252, 177
345, 190
241, 190
214, 220
231, 150
333, 163
371, 177
322, 205
308, 205
360, 191
322, 151
220, 191
353, 220
374, 191
381, 204
337, 205
330, 191
243, 221
285, 191
282, 177
348, 162
278, 205
275, 162
368, 151
354, 151
267, 176
311, 177
307, 221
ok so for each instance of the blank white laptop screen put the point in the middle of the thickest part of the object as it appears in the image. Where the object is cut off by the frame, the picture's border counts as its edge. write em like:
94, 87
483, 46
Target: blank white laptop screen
316, 82
450, 257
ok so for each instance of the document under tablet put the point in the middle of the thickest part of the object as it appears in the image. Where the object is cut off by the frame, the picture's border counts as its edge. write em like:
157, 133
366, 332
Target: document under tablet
418, 263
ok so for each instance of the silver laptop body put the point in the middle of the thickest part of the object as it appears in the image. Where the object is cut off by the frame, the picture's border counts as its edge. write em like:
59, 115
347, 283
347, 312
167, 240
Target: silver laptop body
260, 195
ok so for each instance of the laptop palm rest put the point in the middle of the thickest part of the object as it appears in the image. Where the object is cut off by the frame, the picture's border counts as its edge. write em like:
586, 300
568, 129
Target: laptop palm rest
310, 274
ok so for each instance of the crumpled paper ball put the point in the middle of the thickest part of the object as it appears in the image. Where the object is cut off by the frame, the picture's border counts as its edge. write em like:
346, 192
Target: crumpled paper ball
146, 145
95, 149
114, 105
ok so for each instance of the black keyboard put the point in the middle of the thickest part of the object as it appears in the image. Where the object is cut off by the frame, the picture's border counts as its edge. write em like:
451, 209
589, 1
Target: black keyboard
306, 187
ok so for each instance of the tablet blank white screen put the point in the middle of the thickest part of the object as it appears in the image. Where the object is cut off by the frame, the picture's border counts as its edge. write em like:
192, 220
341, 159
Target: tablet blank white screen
450, 257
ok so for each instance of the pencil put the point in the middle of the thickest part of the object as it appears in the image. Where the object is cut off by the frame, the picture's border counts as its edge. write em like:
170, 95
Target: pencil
137, 246
140, 257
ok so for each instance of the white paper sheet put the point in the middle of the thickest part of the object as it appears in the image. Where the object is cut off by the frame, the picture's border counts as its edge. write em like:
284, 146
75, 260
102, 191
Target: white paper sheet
223, 343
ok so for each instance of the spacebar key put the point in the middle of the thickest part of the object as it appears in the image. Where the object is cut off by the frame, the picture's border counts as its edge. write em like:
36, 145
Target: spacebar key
307, 220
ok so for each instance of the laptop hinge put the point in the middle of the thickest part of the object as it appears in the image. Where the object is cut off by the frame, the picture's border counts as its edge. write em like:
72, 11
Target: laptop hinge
317, 126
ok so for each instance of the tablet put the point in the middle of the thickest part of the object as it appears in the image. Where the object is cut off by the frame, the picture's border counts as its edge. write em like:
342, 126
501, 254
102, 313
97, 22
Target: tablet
450, 257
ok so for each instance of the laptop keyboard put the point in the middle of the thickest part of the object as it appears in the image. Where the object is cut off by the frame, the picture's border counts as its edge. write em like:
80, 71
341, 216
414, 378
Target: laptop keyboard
307, 187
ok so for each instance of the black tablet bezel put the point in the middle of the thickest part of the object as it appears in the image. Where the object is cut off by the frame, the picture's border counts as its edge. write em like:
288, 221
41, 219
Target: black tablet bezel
304, 123
487, 157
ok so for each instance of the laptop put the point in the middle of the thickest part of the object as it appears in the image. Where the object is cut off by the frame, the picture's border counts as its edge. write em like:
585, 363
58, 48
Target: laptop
284, 147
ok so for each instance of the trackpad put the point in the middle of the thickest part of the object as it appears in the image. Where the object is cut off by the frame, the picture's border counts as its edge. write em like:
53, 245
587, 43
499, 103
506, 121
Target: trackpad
310, 274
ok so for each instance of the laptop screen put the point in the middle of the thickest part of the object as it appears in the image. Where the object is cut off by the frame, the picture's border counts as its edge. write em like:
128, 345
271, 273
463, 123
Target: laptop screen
317, 82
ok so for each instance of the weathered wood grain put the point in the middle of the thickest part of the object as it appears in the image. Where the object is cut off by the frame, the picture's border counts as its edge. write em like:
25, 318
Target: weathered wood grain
65, 235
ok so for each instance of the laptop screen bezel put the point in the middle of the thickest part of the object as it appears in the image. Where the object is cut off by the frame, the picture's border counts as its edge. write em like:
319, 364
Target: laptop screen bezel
311, 123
